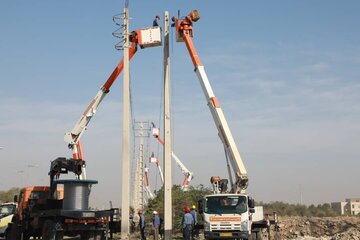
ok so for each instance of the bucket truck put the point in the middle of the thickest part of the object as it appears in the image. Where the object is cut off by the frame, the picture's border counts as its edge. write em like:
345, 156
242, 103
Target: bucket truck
147, 37
226, 214
188, 175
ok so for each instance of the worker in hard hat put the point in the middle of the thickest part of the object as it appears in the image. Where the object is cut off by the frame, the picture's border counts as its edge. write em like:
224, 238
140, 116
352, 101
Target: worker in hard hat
187, 223
142, 225
193, 212
155, 22
156, 224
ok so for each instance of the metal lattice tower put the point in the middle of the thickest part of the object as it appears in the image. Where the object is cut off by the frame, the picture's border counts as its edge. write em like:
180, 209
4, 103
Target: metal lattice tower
142, 132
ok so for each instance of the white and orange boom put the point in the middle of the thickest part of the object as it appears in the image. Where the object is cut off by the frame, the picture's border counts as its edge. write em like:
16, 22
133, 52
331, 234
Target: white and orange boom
147, 37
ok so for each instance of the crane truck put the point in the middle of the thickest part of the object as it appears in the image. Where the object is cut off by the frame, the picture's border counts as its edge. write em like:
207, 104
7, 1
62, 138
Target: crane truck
227, 214
60, 209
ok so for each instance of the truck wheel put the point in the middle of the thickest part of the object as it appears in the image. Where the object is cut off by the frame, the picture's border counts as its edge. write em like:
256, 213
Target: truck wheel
49, 231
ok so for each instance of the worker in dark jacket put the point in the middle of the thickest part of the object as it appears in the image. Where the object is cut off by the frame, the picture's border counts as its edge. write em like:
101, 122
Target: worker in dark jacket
142, 225
187, 224
155, 22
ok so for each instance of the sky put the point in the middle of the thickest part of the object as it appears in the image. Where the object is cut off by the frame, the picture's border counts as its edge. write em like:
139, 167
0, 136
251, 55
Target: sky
286, 73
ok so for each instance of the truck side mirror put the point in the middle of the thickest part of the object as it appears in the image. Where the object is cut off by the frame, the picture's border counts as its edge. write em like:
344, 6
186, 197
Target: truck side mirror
15, 198
251, 202
200, 206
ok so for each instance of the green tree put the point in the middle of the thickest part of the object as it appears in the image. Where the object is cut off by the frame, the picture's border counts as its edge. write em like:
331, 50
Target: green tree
8, 196
286, 209
180, 200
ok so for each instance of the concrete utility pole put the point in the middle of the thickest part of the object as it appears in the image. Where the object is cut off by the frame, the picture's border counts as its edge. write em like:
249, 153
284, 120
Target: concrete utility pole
167, 135
125, 193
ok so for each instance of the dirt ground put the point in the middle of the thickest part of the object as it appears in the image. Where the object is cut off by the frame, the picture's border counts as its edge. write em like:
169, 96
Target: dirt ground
315, 228
309, 228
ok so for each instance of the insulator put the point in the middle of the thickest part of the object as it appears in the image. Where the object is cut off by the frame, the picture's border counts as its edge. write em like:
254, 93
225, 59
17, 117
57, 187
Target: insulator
119, 32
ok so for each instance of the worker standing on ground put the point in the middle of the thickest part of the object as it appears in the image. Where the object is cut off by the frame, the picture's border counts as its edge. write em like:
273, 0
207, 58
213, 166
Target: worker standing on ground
193, 213
187, 224
156, 225
142, 225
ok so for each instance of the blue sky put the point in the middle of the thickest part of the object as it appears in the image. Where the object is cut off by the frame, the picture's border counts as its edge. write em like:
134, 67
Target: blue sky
286, 74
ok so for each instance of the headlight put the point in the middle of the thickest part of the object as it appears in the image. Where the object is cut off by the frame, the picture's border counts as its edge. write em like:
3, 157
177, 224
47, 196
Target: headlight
207, 226
245, 225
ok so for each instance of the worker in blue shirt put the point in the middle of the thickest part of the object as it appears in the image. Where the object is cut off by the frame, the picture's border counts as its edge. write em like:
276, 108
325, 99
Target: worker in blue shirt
142, 225
187, 224
156, 224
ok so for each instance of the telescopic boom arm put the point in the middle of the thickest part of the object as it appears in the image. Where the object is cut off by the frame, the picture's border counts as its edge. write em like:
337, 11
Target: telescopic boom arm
73, 137
188, 175
155, 160
146, 37
184, 32
150, 195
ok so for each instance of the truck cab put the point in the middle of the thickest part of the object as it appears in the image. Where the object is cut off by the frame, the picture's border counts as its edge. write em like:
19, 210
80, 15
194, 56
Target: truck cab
226, 216
29, 196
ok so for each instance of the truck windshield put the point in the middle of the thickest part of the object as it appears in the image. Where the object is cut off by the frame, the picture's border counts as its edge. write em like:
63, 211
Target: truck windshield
225, 204
6, 210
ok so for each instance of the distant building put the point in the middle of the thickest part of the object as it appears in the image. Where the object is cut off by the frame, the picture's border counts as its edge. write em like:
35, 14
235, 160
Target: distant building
351, 206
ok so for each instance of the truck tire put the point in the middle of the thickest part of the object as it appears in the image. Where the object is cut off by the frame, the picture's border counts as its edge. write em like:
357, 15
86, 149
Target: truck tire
49, 231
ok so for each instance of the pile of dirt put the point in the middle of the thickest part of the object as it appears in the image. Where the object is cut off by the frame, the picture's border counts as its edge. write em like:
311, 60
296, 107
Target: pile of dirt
316, 228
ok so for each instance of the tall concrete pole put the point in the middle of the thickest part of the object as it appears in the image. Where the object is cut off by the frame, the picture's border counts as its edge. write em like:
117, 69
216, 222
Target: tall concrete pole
167, 135
125, 193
